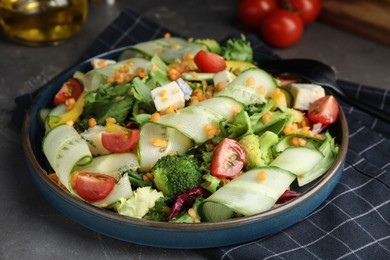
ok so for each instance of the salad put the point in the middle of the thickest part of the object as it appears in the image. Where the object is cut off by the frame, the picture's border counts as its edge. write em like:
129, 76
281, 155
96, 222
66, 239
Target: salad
187, 130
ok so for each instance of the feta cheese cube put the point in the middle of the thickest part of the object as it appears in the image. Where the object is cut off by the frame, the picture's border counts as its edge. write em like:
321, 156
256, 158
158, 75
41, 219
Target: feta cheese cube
305, 94
168, 95
222, 78
100, 63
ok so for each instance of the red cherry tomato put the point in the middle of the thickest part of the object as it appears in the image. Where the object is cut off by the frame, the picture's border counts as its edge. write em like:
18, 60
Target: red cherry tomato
209, 62
119, 142
92, 186
324, 110
282, 28
253, 12
228, 159
308, 10
70, 89
287, 78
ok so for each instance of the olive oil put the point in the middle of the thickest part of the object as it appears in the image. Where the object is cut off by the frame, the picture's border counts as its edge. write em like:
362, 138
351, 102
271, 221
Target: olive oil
42, 22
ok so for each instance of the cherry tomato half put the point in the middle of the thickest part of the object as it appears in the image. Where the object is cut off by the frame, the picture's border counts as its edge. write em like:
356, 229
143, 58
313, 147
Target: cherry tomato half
324, 110
286, 79
282, 28
228, 159
209, 62
92, 186
308, 10
119, 142
253, 12
70, 89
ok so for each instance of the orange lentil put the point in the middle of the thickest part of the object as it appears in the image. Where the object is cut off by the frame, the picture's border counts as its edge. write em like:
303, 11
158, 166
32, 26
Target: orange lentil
173, 74
192, 213
318, 136
110, 80
101, 63
294, 141
167, 35
169, 110
302, 141
155, 117
261, 90
159, 142
92, 122
219, 86
70, 102
172, 153
188, 56
197, 92
70, 122
163, 93
154, 67
125, 69
149, 176
266, 117
262, 175
250, 82
130, 63
306, 131
110, 120
165, 99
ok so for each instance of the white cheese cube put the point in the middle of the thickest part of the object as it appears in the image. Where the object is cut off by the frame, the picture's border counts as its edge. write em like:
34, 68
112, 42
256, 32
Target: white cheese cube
93, 136
100, 63
222, 78
305, 94
168, 95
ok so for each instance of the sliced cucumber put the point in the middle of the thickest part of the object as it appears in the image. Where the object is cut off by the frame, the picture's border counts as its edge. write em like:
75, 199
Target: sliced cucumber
247, 194
148, 154
329, 150
94, 78
122, 189
225, 106
298, 160
168, 49
192, 121
56, 111
285, 142
196, 76
115, 164
255, 86
93, 136
65, 149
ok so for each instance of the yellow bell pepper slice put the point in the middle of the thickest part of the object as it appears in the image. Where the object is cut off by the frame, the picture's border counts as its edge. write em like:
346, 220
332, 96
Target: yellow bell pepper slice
70, 116
238, 65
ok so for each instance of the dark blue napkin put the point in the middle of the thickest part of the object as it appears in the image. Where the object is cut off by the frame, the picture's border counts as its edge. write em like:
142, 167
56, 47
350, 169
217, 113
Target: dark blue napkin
354, 221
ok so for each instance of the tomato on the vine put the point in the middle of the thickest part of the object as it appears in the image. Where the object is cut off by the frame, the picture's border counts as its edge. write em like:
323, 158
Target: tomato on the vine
92, 186
282, 28
228, 159
253, 12
324, 110
209, 62
308, 10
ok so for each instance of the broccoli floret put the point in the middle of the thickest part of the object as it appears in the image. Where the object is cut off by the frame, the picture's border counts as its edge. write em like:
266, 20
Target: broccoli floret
211, 44
174, 175
258, 148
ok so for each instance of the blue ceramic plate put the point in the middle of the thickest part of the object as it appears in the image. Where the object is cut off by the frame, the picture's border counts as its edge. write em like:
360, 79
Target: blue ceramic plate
163, 234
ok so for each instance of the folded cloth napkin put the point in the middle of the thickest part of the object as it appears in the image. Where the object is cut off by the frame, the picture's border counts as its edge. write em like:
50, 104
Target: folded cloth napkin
354, 221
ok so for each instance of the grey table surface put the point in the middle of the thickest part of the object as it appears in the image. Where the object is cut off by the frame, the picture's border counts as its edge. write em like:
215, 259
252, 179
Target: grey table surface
30, 227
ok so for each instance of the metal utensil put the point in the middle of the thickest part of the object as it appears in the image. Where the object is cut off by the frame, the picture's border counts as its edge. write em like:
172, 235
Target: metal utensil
319, 73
